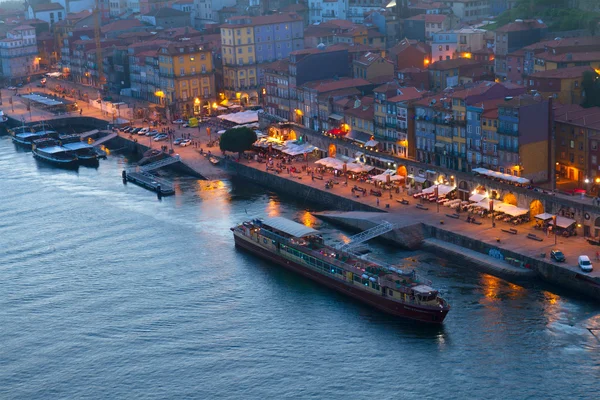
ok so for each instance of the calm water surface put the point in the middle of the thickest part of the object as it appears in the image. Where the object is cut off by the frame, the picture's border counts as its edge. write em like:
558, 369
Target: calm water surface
108, 293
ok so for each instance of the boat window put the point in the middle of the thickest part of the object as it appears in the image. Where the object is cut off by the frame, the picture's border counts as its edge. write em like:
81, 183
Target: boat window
391, 292
265, 240
357, 278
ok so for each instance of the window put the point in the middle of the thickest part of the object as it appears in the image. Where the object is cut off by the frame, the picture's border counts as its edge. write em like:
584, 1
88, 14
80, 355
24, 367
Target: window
594, 160
594, 145
447, 47
572, 144
440, 47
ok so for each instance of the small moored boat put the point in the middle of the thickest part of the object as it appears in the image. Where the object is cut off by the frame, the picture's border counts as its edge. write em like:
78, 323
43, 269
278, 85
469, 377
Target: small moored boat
48, 150
214, 160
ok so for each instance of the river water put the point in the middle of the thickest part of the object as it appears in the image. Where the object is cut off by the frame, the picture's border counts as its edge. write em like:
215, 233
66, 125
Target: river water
108, 293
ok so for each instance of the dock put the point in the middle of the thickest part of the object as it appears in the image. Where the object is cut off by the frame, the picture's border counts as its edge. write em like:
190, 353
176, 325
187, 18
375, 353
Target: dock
162, 187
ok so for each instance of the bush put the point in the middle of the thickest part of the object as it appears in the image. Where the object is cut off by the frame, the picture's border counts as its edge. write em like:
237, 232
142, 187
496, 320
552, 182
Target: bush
237, 140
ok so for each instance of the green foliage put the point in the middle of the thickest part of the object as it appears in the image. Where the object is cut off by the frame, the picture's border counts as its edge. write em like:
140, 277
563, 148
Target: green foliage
237, 140
591, 88
555, 13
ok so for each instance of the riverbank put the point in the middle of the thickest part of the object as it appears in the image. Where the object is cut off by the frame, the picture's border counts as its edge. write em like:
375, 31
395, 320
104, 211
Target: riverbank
426, 228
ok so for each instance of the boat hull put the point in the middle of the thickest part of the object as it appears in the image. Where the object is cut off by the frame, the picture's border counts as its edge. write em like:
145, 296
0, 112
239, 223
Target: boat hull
68, 164
422, 314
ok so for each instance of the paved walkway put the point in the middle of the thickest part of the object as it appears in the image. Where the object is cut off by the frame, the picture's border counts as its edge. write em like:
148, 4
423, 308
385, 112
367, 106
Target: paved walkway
399, 213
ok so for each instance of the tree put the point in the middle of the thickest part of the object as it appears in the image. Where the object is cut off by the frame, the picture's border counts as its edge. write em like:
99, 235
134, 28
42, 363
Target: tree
591, 87
237, 140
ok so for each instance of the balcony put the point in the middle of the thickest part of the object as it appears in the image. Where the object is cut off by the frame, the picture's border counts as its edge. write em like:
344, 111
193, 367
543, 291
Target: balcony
507, 131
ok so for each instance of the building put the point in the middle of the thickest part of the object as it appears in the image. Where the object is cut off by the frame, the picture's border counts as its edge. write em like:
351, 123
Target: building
335, 31
370, 66
387, 23
144, 72
307, 110
19, 53
548, 62
469, 10
167, 18
249, 41
524, 137
514, 36
444, 46
422, 27
556, 47
360, 118
208, 9
429, 7
117, 7
398, 110
326, 10
446, 73
410, 54
577, 131
277, 100
187, 77
563, 84
470, 40
358, 10
49, 12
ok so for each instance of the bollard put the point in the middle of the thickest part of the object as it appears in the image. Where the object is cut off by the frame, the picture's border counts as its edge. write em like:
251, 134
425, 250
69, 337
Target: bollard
124, 176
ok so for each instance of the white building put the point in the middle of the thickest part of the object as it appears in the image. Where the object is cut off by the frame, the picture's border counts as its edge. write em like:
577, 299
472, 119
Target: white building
207, 9
50, 12
19, 53
117, 7
470, 10
133, 5
325, 10
75, 6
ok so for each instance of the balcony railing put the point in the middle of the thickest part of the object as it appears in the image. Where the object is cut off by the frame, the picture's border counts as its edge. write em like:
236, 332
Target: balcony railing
507, 131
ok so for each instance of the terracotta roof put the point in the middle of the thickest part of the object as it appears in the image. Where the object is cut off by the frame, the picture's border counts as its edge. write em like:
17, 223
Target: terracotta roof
406, 43
364, 111
315, 50
330, 85
380, 80
570, 57
47, 7
21, 27
565, 42
426, 101
342, 92
479, 88
277, 66
166, 12
572, 72
429, 18
428, 6
368, 58
450, 64
386, 87
525, 25
407, 93
121, 25
574, 114
522, 100
261, 20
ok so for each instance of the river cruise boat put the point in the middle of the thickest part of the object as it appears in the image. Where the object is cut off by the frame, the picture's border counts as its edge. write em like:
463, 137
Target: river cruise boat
26, 138
48, 150
303, 250
86, 153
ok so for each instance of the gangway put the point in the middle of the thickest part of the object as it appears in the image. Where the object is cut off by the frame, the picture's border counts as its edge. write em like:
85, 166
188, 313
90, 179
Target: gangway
88, 134
369, 234
160, 163
104, 139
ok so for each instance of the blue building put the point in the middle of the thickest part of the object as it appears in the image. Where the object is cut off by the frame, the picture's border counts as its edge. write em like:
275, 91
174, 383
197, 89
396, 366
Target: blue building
444, 46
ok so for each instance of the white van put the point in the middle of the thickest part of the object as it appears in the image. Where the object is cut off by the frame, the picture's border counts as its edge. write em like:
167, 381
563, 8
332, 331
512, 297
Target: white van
585, 264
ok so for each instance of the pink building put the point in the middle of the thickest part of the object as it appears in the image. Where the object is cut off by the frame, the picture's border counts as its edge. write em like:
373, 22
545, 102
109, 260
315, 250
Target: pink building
514, 67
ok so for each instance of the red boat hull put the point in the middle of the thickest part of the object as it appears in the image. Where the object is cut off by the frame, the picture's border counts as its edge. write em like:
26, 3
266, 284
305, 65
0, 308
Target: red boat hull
428, 315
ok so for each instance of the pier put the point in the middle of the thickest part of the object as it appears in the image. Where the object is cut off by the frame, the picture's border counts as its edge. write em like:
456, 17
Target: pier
162, 187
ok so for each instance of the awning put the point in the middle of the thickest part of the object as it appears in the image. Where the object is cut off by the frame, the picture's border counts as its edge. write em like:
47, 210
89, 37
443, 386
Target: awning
336, 117
358, 136
476, 198
440, 145
431, 172
563, 222
544, 216
500, 175
371, 143
417, 179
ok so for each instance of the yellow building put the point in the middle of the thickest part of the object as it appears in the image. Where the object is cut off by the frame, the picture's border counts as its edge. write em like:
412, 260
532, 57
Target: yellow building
549, 61
563, 84
187, 77
239, 57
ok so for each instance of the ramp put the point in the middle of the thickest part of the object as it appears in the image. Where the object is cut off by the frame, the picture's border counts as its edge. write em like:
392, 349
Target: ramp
104, 139
160, 163
88, 134
369, 234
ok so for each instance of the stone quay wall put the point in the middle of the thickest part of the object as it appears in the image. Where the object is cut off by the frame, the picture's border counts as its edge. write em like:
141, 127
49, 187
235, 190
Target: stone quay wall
295, 189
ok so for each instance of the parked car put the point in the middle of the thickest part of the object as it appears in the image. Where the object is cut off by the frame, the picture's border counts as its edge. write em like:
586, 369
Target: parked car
185, 142
143, 131
178, 141
153, 132
140, 131
12, 88
178, 121
585, 264
557, 255
160, 138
